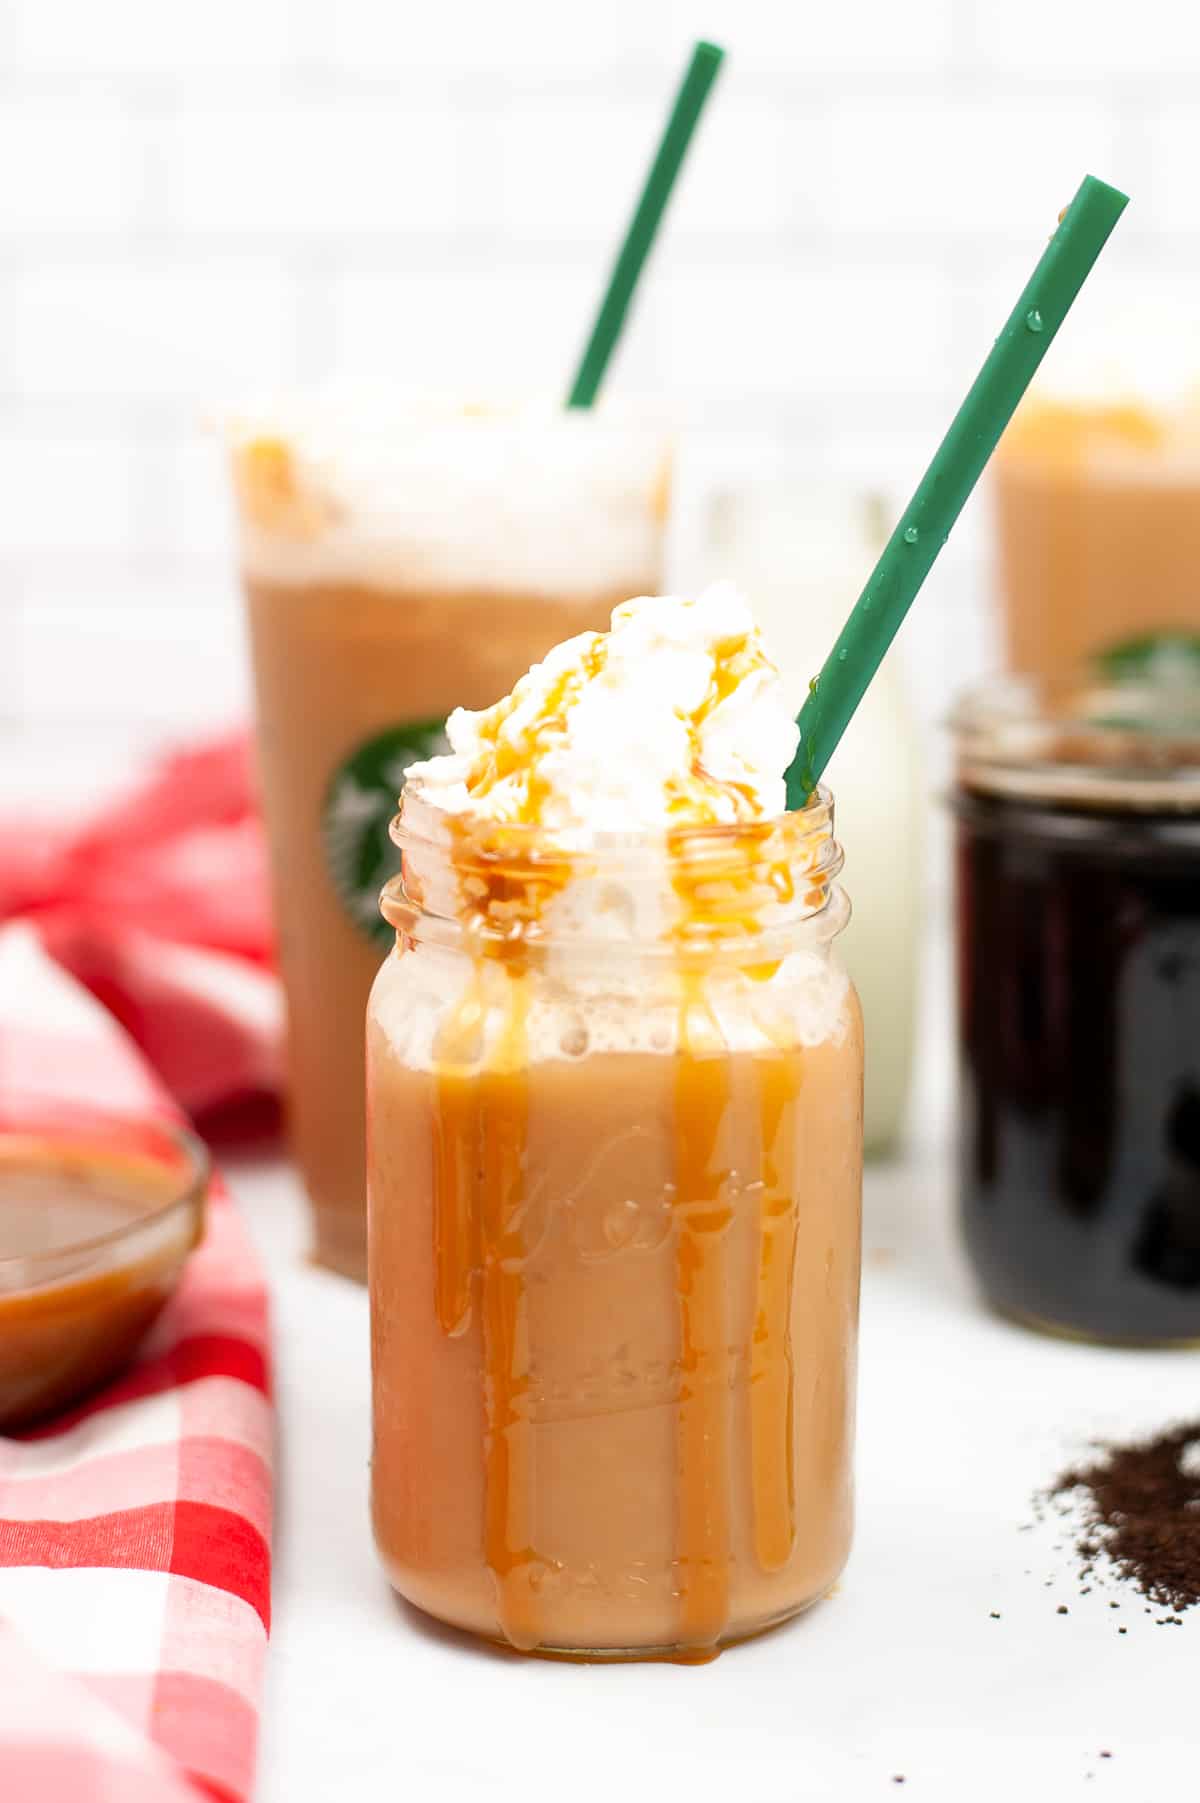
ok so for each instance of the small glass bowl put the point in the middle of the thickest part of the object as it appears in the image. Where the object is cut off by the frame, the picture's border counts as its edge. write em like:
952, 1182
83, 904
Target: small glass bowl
97, 1218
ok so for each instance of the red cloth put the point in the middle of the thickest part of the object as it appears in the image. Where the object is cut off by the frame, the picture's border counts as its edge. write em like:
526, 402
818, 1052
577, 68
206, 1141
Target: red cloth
159, 905
135, 1529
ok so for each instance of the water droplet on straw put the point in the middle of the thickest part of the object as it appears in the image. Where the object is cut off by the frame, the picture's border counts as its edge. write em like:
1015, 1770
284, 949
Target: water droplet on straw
843, 654
911, 535
1034, 321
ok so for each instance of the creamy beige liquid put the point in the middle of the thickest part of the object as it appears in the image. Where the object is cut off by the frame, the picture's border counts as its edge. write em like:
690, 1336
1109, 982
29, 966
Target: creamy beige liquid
335, 664
1098, 517
613, 1320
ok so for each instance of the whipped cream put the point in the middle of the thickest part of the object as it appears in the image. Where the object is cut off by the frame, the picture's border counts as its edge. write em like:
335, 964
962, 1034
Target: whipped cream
675, 717
1137, 350
620, 748
529, 499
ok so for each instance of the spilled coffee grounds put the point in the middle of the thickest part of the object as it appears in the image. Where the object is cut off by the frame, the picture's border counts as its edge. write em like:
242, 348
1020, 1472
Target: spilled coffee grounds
1141, 1508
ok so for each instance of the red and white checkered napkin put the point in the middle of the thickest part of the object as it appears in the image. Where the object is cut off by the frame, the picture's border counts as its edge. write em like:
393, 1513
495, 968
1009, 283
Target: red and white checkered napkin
135, 1531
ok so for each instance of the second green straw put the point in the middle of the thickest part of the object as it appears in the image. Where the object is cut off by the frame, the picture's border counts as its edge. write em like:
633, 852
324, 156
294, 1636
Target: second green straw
639, 236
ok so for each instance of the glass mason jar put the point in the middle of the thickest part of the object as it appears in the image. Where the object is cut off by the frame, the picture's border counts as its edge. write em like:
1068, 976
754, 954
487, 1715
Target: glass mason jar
1078, 826
614, 1171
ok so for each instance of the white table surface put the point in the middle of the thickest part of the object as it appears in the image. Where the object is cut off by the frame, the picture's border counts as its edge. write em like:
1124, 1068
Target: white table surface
903, 1672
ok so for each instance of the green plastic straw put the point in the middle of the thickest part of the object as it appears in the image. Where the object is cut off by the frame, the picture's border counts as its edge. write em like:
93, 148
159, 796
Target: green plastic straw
957, 465
647, 216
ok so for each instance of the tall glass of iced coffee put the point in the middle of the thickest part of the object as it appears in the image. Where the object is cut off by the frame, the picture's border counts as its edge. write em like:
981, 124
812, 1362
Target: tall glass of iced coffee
615, 1136
394, 569
1097, 508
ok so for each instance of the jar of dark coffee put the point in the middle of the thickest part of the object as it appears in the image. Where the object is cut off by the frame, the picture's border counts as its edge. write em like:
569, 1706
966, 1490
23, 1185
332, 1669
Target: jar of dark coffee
1077, 805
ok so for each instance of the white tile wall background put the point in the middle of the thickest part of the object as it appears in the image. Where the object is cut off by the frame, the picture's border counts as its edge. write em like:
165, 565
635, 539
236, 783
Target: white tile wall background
197, 199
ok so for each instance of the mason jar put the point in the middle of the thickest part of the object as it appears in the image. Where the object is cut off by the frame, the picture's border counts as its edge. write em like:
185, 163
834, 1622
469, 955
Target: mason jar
614, 1168
1078, 860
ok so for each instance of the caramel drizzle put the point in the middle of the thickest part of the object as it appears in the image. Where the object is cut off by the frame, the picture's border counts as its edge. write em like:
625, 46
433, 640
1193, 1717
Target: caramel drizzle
516, 758
456, 1158
702, 1215
480, 1129
772, 1369
272, 493
702, 799
481, 1120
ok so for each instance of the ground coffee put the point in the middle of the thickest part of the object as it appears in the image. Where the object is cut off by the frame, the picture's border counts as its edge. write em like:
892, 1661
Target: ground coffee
1141, 1508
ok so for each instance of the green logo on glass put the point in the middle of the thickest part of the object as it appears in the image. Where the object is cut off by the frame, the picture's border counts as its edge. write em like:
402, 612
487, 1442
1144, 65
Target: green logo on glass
1156, 657
360, 805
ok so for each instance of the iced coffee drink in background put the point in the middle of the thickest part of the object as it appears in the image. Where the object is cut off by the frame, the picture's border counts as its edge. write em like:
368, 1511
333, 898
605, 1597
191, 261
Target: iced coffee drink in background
1097, 506
396, 568
615, 1101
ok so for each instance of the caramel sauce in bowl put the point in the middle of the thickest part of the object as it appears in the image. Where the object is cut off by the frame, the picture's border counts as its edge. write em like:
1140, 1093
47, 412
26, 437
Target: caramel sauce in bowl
97, 1218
